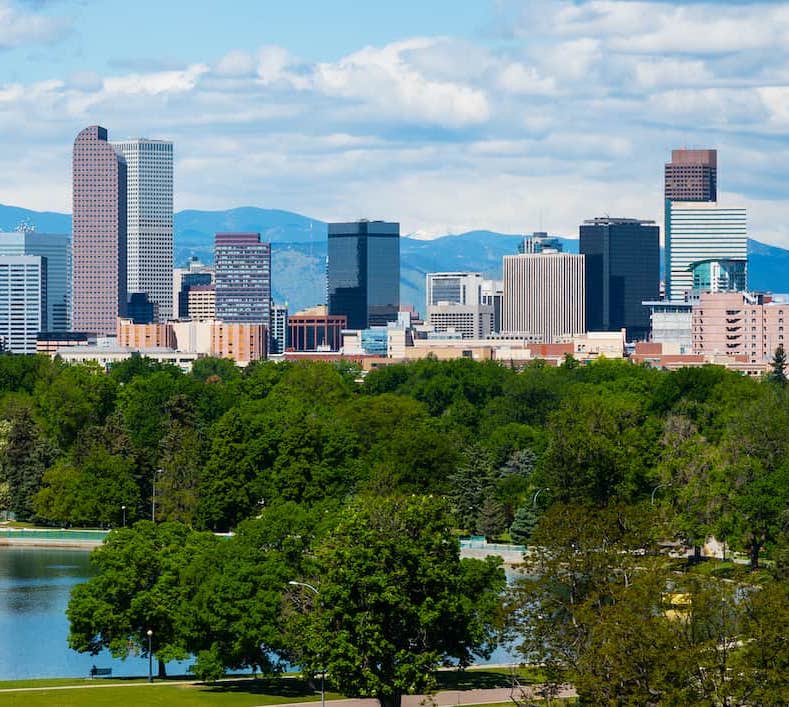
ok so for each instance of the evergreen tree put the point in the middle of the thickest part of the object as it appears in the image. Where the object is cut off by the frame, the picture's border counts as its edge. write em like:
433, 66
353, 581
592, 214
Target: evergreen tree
524, 523
778, 366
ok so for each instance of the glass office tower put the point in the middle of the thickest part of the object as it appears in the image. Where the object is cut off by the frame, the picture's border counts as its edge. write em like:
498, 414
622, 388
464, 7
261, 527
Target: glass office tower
622, 271
364, 272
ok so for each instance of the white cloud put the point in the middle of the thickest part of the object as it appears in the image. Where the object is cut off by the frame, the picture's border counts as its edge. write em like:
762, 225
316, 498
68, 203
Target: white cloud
383, 79
525, 80
20, 28
570, 118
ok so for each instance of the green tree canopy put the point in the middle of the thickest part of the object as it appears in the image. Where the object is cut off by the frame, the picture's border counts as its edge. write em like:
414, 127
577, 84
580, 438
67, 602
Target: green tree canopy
395, 600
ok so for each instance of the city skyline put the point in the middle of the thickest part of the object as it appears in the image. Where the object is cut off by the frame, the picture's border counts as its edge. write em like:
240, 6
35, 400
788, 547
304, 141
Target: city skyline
490, 116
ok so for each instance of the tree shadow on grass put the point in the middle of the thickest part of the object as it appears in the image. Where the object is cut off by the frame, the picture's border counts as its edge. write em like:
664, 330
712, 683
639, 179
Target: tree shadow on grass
471, 680
288, 688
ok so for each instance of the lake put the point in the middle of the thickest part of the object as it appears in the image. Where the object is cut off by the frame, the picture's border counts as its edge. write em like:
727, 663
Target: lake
34, 593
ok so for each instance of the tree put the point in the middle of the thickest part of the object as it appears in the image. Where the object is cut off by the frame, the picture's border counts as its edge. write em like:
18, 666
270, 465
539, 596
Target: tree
24, 455
138, 587
778, 366
756, 449
395, 600
524, 523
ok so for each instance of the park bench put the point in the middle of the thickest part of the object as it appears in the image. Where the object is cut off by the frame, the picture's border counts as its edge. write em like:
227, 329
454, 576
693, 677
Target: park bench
100, 672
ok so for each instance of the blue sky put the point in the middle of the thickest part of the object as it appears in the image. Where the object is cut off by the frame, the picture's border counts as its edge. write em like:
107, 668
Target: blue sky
447, 116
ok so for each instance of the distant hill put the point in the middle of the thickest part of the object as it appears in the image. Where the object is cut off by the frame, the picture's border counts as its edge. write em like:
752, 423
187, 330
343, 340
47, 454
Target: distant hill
299, 250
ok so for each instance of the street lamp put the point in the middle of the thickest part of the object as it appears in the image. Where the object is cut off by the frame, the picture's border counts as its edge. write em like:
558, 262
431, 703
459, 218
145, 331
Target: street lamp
150, 657
659, 486
123, 508
293, 583
539, 491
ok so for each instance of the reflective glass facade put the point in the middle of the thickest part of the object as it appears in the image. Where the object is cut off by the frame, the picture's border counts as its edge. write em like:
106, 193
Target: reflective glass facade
622, 271
364, 272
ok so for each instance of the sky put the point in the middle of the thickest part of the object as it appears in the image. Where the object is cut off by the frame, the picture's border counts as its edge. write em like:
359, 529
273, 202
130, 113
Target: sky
445, 115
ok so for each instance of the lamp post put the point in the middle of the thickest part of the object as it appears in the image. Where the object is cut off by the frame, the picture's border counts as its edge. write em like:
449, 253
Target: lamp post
659, 486
539, 491
293, 583
123, 508
150, 657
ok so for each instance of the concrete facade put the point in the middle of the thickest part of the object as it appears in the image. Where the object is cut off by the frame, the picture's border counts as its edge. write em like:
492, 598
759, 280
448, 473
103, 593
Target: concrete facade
544, 295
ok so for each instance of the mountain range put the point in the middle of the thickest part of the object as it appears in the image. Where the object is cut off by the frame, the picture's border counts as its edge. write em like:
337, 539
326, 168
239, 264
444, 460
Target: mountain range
299, 250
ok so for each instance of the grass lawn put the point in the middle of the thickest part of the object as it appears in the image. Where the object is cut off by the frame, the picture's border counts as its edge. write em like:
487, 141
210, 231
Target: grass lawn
240, 693
230, 693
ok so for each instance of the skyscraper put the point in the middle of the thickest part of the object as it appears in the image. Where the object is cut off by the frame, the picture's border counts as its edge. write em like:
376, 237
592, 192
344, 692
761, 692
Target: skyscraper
99, 233
243, 278
364, 272
149, 222
23, 301
692, 175
56, 249
544, 295
622, 271
701, 231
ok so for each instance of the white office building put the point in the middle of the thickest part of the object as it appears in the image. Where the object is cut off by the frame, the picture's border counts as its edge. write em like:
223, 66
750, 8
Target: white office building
278, 341
454, 304
544, 295
699, 231
149, 253
23, 301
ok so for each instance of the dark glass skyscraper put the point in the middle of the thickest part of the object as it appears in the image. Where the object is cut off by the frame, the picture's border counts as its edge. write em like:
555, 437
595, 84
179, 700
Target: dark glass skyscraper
364, 272
242, 266
622, 271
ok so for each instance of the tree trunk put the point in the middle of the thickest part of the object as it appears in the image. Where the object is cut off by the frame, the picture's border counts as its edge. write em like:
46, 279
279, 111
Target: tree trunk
391, 700
754, 552
162, 669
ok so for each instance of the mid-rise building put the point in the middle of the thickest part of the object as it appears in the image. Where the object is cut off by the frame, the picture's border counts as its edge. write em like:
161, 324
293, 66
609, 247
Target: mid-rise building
242, 276
314, 329
622, 262
692, 175
242, 341
99, 233
195, 273
201, 301
145, 336
56, 248
544, 295
279, 329
671, 324
699, 231
739, 323
48, 342
23, 301
454, 302
363, 272
149, 220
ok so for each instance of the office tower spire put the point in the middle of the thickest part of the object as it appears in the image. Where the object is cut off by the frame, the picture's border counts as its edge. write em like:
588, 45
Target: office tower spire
99, 232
